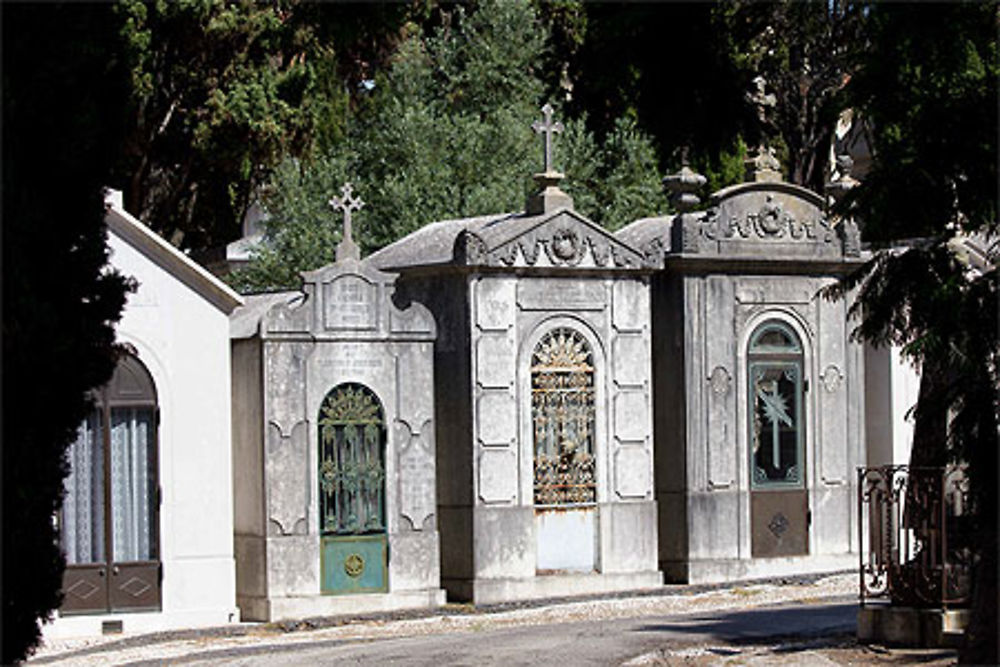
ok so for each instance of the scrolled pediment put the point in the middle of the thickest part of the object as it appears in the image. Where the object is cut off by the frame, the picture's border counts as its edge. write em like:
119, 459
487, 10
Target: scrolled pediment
564, 240
769, 219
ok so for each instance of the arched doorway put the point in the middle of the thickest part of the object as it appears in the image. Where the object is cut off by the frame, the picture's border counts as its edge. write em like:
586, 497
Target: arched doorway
563, 425
109, 524
352, 440
779, 500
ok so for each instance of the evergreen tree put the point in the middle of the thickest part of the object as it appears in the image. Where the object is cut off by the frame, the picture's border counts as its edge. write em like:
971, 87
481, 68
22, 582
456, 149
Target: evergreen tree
929, 89
62, 93
447, 133
221, 92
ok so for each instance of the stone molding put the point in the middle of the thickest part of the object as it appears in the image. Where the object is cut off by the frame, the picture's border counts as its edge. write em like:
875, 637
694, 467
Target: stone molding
563, 240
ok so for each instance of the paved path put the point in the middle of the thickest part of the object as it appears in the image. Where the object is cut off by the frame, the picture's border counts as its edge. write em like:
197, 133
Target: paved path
607, 642
589, 632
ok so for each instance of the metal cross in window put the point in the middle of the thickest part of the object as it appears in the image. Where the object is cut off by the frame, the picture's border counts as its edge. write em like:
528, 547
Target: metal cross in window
547, 128
347, 203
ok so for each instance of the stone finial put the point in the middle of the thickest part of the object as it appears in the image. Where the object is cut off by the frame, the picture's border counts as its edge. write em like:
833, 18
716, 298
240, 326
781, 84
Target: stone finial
549, 197
684, 187
842, 182
347, 202
763, 167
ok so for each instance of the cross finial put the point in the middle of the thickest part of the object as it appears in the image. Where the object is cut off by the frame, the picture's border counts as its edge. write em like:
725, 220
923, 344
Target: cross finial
347, 202
548, 128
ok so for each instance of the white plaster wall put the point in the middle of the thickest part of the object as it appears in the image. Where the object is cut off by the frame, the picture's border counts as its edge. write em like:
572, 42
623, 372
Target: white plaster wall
892, 386
184, 342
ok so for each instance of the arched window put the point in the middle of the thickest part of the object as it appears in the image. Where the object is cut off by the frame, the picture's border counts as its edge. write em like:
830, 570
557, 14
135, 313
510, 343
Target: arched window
562, 412
774, 360
109, 525
351, 462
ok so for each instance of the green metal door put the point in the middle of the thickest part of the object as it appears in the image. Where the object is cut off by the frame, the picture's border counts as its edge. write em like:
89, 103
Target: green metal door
779, 499
353, 545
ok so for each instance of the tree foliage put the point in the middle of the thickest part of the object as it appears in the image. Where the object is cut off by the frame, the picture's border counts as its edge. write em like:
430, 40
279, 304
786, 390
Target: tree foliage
221, 92
928, 87
62, 89
447, 133
805, 52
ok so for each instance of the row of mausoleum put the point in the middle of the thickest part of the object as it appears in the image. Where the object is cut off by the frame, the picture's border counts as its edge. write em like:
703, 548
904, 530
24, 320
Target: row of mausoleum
491, 409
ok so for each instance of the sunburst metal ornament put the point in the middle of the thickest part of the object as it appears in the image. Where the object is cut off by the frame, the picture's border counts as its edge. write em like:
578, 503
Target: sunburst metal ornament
563, 349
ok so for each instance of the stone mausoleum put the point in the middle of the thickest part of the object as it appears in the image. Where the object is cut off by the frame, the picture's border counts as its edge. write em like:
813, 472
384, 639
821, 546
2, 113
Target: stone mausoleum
334, 445
759, 391
571, 411
543, 398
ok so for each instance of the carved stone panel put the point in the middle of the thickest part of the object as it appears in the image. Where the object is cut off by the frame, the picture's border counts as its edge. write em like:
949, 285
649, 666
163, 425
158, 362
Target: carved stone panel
286, 466
286, 381
415, 319
831, 394
630, 306
775, 290
496, 415
561, 294
720, 357
354, 359
631, 360
350, 302
495, 302
495, 360
416, 483
497, 476
632, 472
290, 318
631, 416
414, 372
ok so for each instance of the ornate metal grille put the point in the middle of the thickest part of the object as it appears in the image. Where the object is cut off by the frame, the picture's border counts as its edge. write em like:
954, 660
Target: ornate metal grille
351, 462
916, 536
562, 411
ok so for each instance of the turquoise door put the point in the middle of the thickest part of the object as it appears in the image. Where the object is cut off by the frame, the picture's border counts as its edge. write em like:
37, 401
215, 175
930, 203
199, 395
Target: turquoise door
353, 544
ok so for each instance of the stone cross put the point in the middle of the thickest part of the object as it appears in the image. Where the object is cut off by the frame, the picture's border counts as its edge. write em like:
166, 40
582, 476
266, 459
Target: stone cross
547, 128
347, 202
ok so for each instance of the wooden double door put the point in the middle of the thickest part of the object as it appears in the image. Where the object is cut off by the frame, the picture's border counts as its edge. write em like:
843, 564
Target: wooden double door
109, 524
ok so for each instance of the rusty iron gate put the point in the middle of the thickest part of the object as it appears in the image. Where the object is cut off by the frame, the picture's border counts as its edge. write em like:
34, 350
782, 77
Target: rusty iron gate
915, 533
565, 489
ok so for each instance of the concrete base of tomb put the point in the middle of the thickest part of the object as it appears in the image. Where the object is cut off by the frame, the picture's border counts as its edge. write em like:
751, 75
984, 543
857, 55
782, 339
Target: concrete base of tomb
95, 625
306, 606
495, 591
926, 628
712, 571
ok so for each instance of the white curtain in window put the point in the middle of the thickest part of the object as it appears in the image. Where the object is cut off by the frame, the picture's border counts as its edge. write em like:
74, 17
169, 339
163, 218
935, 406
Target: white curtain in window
131, 488
83, 505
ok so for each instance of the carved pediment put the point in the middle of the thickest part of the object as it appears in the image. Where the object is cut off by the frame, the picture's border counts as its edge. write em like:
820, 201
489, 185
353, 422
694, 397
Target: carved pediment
562, 240
349, 298
776, 219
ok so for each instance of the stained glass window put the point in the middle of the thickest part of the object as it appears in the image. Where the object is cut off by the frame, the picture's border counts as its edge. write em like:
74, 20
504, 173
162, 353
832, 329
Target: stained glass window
562, 411
775, 402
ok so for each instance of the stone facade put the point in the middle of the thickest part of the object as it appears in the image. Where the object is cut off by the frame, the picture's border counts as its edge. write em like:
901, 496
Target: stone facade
737, 277
525, 303
307, 369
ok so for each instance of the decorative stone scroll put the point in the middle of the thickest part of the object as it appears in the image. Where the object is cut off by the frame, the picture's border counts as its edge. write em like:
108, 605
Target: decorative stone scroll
562, 244
769, 221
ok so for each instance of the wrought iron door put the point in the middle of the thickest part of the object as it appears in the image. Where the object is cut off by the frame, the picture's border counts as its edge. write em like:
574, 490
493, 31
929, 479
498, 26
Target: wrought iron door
779, 504
109, 524
565, 489
354, 549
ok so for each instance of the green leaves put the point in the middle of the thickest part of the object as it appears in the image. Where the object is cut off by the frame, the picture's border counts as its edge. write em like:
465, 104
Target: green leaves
221, 92
447, 134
